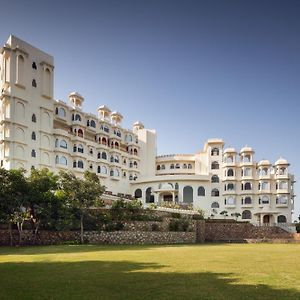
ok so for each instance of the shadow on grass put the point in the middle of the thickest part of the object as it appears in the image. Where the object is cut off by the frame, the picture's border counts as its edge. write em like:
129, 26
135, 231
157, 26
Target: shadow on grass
56, 249
124, 280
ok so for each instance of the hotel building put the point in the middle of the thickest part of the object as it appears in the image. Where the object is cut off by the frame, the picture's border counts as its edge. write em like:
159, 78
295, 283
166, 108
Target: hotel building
38, 131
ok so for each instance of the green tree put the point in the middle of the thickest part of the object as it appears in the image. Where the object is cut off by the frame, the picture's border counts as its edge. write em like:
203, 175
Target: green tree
82, 194
14, 200
42, 185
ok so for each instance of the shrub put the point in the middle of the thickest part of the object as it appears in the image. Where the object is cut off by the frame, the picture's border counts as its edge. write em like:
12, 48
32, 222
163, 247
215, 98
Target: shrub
176, 215
152, 206
198, 217
178, 225
118, 226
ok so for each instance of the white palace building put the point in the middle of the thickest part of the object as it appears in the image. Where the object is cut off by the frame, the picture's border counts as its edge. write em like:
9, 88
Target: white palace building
39, 131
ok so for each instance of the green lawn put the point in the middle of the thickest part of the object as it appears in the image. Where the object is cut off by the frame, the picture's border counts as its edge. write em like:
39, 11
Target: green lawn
226, 271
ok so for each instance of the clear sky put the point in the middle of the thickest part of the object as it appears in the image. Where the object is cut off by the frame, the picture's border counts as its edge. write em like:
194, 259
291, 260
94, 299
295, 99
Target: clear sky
192, 70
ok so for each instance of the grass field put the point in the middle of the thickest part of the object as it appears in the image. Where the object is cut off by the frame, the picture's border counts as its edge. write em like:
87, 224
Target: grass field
227, 271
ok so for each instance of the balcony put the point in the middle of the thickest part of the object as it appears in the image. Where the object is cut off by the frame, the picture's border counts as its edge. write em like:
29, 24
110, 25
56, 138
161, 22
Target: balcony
264, 176
265, 191
283, 191
229, 178
248, 205
62, 132
232, 205
245, 192
282, 176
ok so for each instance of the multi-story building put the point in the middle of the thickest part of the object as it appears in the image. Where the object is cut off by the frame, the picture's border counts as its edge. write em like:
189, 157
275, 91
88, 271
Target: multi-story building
39, 131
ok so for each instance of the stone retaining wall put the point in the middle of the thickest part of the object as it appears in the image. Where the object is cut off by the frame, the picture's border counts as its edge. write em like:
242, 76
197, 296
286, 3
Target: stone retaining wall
95, 237
216, 231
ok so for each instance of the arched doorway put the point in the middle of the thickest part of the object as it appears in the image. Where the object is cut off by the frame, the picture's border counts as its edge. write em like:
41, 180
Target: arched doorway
266, 219
167, 197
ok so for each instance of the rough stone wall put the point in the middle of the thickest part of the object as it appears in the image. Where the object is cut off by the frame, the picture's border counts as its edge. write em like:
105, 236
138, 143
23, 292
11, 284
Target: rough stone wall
95, 237
243, 231
200, 231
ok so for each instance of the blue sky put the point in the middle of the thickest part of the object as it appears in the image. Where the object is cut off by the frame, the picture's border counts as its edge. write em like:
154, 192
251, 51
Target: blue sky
192, 70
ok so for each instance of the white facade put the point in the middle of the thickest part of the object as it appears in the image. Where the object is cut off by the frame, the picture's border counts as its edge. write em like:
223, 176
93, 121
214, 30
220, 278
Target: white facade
39, 131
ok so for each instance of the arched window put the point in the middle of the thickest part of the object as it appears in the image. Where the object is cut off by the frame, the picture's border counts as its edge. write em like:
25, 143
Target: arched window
184, 166
118, 133
215, 193
74, 164
158, 167
98, 169
230, 187
282, 199
34, 65
230, 201
103, 170
80, 133
172, 166
135, 152
188, 194
247, 186
33, 153
176, 186
80, 164
80, 148
63, 161
117, 159
117, 172
138, 193
149, 195
103, 141
230, 172
177, 166
201, 191
215, 165
61, 112
282, 171
247, 158
163, 167
93, 124
56, 159
215, 205
56, 143
265, 171
283, 185
33, 136
91, 151
248, 200
33, 83
229, 159
265, 200
77, 117
190, 166
111, 158
215, 179
104, 155
33, 118
247, 172
265, 185
215, 152
281, 219
246, 215
63, 144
